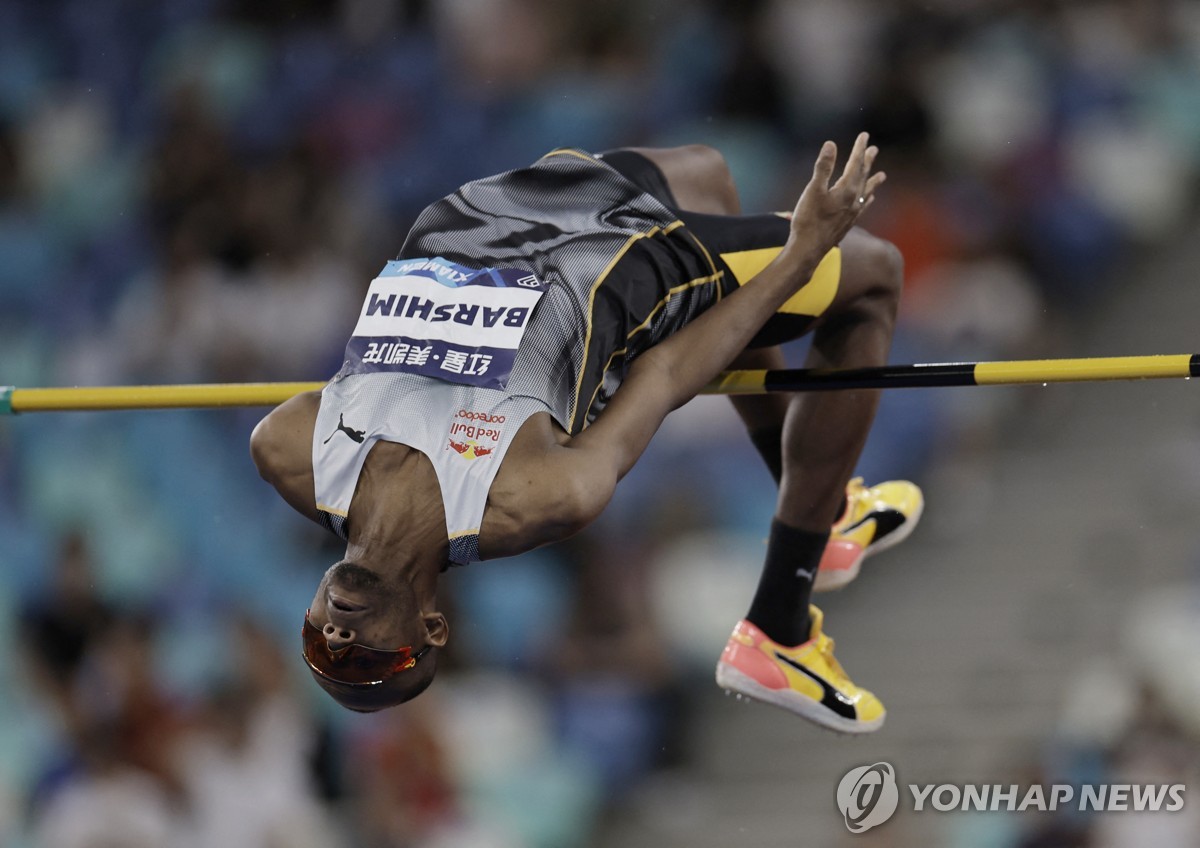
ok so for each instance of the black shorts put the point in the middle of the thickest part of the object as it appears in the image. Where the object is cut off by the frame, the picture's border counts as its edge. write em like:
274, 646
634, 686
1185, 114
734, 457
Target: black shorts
740, 246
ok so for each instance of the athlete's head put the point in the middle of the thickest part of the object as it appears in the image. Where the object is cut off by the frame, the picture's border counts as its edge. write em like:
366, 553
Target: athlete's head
366, 641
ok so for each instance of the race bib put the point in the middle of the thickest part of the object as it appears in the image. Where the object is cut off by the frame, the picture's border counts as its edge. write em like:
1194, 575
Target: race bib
440, 319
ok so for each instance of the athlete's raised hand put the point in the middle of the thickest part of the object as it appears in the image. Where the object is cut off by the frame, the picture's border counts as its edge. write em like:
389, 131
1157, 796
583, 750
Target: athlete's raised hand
825, 212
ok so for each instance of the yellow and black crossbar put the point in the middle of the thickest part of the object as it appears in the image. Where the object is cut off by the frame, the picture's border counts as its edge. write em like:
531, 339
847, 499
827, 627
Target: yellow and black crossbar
939, 375
934, 375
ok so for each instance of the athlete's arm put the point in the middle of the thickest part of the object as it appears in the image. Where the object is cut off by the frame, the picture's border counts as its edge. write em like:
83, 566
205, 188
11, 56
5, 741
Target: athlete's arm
675, 370
281, 446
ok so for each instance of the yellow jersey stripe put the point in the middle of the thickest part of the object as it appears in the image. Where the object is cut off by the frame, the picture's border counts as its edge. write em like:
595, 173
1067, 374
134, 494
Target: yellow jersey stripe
815, 296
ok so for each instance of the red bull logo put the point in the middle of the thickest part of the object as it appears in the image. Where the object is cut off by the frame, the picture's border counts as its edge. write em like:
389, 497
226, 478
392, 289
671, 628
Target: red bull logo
475, 434
469, 449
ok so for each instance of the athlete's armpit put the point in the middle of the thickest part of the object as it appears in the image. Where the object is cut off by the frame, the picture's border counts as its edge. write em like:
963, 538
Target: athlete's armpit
546, 500
281, 447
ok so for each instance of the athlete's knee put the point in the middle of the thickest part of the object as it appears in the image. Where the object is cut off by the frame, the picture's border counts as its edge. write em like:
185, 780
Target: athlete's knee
882, 263
874, 272
699, 178
712, 172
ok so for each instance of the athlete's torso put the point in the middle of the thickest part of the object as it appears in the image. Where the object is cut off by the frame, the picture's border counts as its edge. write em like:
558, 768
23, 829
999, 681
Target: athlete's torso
622, 271
614, 273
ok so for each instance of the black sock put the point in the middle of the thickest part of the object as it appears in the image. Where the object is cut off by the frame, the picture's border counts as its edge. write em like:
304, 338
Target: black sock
780, 606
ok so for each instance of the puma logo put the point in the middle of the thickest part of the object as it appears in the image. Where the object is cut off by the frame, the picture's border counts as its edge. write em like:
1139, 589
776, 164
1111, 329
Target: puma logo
355, 435
831, 698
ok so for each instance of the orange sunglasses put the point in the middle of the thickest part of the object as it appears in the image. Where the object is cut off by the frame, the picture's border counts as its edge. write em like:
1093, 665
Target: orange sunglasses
354, 665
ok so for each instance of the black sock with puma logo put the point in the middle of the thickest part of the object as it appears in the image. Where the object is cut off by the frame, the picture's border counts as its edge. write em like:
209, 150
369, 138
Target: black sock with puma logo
780, 606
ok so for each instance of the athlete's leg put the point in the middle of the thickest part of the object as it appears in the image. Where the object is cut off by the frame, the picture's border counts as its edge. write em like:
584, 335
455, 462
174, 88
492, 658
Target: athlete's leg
814, 438
811, 443
779, 653
851, 304
696, 178
763, 414
825, 431
823, 434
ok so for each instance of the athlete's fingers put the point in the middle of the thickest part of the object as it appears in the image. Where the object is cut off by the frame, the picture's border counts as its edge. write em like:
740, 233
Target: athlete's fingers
859, 153
823, 167
860, 147
868, 162
868, 193
869, 159
854, 175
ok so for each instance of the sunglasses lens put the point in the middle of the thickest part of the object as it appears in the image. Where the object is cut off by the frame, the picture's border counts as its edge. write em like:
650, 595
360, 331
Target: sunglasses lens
354, 664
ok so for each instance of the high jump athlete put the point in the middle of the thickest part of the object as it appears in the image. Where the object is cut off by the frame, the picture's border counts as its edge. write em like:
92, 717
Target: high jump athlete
512, 364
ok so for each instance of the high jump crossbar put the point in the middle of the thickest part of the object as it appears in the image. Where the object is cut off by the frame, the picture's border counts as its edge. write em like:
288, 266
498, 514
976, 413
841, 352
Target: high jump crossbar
931, 375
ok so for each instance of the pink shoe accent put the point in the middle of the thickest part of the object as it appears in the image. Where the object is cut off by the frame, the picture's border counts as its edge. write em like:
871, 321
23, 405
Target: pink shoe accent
840, 555
750, 660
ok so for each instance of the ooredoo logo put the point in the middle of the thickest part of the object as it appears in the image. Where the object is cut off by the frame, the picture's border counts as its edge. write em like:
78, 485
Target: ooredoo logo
868, 796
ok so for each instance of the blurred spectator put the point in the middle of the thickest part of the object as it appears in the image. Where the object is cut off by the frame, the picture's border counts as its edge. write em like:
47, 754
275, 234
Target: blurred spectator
62, 626
118, 686
108, 803
247, 765
610, 672
120, 786
248, 263
407, 795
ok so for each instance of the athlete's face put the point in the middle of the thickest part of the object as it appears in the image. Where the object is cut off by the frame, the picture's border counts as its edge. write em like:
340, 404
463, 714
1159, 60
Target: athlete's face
356, 605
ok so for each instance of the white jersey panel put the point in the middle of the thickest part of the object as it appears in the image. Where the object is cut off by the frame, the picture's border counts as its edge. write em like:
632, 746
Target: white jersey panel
465, 432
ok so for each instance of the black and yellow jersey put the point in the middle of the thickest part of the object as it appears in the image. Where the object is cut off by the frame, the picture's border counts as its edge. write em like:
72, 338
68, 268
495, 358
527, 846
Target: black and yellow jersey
623, 271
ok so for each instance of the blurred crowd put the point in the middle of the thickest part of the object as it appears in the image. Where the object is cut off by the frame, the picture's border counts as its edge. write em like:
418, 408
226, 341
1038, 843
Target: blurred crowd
200, 190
